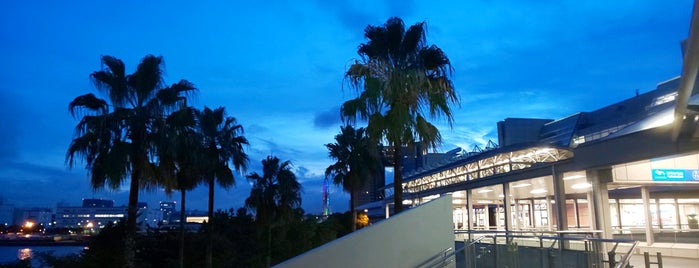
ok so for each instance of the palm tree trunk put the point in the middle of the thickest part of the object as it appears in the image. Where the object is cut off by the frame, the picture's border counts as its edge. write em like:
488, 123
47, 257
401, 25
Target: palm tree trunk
397, 179
130, 237
353, 196
209, 245
269, 245
182, 220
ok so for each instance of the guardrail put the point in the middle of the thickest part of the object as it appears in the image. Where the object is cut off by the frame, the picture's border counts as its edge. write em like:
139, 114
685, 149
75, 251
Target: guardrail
438, 260
544, 249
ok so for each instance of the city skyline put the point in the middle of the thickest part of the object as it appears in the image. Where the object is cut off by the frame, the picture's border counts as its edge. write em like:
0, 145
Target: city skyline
278, 68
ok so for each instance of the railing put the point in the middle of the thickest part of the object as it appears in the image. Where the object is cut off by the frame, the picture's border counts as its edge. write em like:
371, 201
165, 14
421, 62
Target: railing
441, 259
627, 257
544, 249
448, 257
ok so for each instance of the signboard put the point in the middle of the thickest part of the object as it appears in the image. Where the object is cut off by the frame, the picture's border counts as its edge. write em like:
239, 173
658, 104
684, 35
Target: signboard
675, 174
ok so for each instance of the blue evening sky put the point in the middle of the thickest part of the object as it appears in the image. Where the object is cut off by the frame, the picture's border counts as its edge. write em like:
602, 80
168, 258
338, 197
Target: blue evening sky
277, 66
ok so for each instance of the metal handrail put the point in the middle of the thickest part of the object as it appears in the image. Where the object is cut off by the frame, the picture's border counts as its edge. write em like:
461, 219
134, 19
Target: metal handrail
436, 256
446, 259
625, 260
560, 240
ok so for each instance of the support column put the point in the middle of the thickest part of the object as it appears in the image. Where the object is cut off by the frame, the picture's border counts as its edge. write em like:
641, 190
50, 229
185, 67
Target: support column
645, 195
600, 201
464, 217
506, 206
516, 222
618, 214
487, 217
576, 210
532, 217
469, 203
549, 213
559, 194
591, 210
657, 212
677, 215
388, 209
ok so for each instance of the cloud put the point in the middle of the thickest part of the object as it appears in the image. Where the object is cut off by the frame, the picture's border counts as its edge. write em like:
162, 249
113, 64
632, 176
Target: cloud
355, 15
327, 119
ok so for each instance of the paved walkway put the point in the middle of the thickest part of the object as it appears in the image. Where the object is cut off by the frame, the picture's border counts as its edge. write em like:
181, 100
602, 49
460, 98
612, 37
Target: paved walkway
668, 262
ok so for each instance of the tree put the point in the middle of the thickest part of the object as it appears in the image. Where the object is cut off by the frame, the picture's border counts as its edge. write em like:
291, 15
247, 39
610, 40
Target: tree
275, 196
358, 160
222, 144
399, 80
179, 155
117, 139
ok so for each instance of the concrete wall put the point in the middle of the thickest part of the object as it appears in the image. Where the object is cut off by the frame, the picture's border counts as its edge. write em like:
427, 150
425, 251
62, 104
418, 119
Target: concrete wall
404, 240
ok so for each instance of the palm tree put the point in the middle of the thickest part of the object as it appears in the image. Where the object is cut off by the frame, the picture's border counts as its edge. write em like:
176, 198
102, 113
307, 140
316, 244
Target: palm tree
398, 79
116, 139
222, 144
358, 161
275, 196
179, 158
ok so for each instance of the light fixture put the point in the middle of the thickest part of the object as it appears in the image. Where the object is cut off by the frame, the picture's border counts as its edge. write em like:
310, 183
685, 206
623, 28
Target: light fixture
538, 191
485, 202
583, 185
521, 185
485, 191
573, 177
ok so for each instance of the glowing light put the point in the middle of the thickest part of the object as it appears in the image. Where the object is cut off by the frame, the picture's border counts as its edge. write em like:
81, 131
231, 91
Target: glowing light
583, 185
485, 202
538, 191
485, 191
521, 185
573, 177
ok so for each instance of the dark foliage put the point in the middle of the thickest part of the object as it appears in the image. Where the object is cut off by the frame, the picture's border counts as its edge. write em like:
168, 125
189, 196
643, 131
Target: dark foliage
236, 243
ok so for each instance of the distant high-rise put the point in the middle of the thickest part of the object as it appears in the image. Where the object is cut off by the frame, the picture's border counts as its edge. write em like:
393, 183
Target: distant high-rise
168, 209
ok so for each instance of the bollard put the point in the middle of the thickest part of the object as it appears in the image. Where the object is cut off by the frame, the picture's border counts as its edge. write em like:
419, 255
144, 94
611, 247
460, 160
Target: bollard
612, 259
659, 262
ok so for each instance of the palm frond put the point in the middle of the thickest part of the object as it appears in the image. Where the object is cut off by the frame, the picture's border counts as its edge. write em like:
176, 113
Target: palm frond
88, 102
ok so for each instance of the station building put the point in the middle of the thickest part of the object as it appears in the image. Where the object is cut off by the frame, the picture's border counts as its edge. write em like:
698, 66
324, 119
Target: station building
627, 170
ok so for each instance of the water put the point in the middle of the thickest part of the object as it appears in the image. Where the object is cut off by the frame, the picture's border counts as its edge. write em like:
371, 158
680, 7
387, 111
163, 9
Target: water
14, 253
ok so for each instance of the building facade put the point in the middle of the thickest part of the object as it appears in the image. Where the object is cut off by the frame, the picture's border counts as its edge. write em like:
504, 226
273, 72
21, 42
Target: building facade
626, 170
95, 213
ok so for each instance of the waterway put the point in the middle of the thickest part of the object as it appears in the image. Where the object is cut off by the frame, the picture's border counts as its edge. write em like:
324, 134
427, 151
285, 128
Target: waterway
14, 253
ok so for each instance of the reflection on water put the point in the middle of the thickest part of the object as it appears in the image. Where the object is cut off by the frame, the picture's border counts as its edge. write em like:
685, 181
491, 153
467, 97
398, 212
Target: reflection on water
9, 254
24, 253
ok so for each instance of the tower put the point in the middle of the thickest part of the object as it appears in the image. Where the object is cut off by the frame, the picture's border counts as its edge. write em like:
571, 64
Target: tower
326, 199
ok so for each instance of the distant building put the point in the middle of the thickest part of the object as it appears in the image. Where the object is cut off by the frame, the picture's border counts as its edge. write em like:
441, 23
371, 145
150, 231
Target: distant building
97, 203
95, 213
82, 216
6, 212
42, 216
168, 210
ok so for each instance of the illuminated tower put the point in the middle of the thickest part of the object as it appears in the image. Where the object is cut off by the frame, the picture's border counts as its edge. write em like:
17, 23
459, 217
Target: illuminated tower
326, 199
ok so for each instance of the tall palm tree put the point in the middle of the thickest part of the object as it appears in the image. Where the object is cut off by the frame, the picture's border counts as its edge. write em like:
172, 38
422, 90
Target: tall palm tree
400, 79
358, 161
222, 144
275, 196
179, 158
116, 139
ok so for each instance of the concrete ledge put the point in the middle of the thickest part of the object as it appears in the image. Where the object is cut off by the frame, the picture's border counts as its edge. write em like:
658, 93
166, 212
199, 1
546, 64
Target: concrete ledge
690, 251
